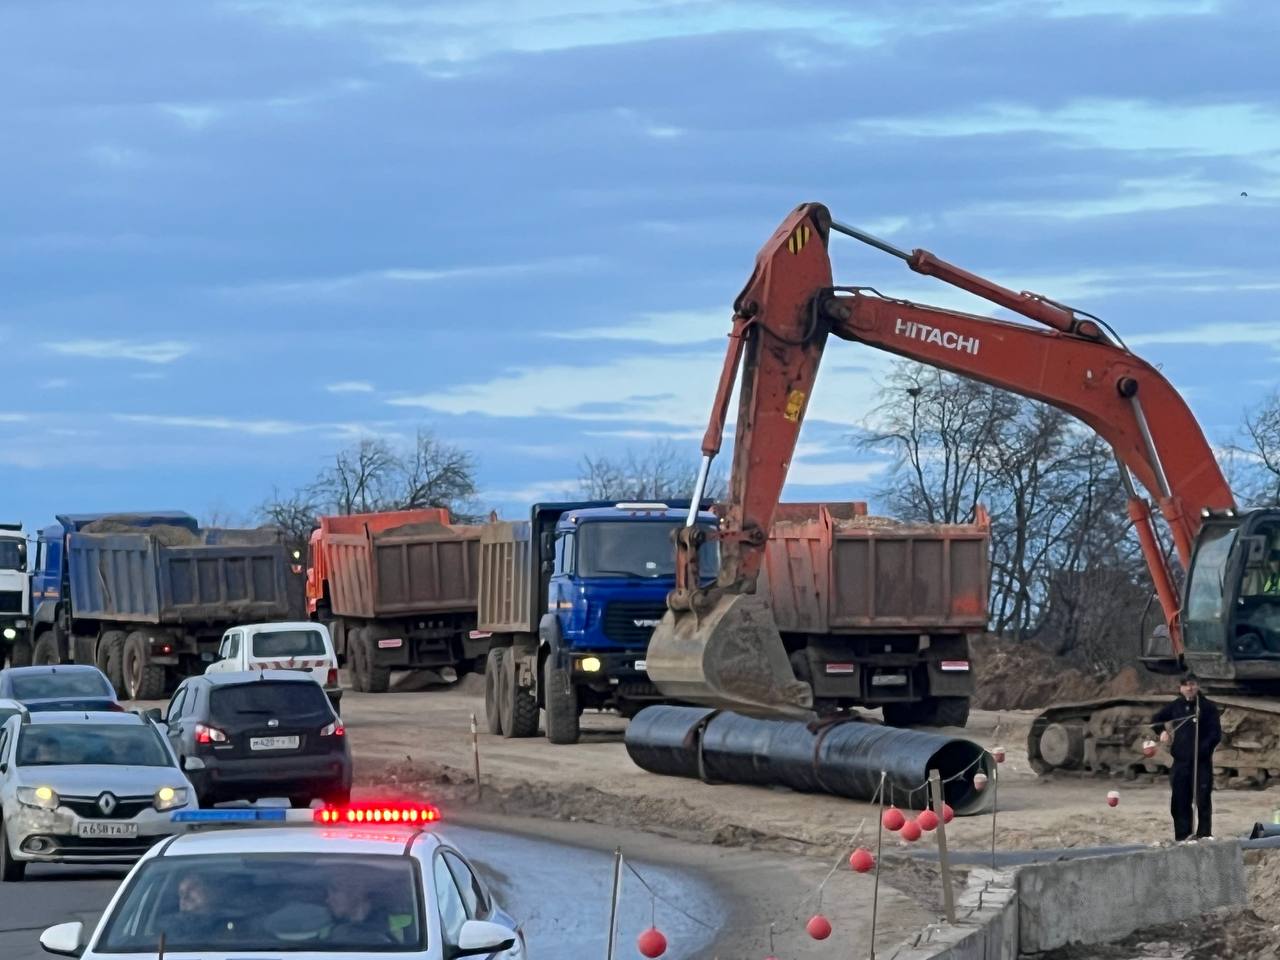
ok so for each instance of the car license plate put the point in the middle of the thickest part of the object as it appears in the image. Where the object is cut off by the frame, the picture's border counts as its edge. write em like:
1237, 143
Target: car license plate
888, 680
273, 743
107, 828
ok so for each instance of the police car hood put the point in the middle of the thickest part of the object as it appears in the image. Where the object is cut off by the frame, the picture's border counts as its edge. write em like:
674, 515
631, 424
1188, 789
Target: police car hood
91, 779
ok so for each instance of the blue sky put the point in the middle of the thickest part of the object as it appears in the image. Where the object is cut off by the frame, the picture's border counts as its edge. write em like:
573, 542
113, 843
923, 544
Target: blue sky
238, 234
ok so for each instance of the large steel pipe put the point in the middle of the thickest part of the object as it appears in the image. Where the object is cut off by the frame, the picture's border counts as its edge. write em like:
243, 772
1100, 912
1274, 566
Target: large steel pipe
844, 757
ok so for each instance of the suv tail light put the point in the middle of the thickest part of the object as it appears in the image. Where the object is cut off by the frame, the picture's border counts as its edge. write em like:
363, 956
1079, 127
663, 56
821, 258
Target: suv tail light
332, 679
335, 729
208, 734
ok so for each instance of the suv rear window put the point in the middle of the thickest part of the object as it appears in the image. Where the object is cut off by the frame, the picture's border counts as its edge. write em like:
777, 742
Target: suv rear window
228, 704
288, 643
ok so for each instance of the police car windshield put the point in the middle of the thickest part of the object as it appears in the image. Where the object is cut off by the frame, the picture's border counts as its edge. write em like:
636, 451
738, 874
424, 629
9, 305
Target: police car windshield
56, 744
608, 548
280, 902
288, 643
61, 685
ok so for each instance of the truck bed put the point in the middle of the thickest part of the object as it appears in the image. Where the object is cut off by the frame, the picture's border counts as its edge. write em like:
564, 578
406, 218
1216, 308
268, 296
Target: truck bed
130, 577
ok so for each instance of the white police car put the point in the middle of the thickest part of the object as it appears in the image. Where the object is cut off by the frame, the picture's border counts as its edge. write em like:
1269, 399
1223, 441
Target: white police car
357, 882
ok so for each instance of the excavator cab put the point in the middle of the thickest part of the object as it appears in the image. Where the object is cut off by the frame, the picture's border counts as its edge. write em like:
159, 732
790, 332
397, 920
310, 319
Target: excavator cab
1231, 610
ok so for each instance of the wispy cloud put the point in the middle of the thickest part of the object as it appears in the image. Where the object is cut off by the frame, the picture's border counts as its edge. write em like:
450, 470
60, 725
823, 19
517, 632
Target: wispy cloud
670, 328
532, 492
807, 474
14, 417
363, 280
350, 386
1226, 333
117, 157
158, 351
55, 383
227, 424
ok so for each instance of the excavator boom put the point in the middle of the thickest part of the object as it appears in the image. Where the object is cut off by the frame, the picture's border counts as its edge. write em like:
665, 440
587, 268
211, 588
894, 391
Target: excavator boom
718, 645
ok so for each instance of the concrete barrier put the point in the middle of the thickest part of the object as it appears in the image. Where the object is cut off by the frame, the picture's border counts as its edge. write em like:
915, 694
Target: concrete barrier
1098, 899
1003, 914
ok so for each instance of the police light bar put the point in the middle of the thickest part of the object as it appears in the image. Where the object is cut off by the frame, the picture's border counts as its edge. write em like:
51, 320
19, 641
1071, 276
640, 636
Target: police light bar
238, 815
381, 813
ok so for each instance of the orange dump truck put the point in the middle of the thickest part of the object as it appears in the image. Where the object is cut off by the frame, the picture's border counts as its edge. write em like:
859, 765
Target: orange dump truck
879, 613
397, 591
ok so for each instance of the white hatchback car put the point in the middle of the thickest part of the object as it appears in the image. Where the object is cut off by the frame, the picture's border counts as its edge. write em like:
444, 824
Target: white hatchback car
84, 788
269, 891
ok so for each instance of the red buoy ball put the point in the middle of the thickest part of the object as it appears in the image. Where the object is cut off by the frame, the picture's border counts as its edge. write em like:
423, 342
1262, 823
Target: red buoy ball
998, 754
862, 861
1149, 748
910, 831
1113, 798
979, 781
651, 943
893, 819
818, 927
928, 820
947, 813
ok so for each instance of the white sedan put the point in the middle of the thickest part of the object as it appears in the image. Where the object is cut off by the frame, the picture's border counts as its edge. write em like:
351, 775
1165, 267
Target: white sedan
84, 788
390, 886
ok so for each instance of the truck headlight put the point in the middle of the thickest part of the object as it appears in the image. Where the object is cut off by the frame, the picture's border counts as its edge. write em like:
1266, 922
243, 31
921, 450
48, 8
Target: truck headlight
10, 633
167, 798
45, 798
590, 664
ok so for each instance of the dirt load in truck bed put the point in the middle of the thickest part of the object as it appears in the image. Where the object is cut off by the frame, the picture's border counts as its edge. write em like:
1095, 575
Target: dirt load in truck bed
163, 533
427, 529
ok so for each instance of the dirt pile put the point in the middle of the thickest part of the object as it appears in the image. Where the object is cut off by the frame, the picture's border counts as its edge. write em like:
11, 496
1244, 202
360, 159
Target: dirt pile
1025, 676
163, 533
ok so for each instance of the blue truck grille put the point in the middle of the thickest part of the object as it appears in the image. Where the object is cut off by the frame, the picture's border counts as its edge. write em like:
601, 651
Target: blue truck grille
631, 624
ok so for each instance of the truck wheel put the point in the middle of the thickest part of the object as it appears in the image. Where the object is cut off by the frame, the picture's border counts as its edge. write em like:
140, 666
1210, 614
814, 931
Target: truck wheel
562, 704
517, 707
143, 679
46, 650
110, 658
492, 669
11, 870
946, 711
378, 678
355, 661
20, 653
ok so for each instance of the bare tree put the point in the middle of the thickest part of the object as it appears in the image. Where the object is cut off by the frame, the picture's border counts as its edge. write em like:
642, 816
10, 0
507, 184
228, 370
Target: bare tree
663, 471
361, 479
294, 513
436, 474
1258, 467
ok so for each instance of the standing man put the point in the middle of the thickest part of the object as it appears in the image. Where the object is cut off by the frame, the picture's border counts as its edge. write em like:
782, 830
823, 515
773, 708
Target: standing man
1196, 732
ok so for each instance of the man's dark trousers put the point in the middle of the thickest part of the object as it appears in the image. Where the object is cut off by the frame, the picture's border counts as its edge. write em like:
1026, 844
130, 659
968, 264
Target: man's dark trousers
1180, 777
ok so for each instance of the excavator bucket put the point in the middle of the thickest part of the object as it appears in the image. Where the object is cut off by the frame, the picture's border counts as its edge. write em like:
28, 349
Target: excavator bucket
730, 657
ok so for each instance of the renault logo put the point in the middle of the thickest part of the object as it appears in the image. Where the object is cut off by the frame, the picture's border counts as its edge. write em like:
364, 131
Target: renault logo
273, 722
645, 623
106, 803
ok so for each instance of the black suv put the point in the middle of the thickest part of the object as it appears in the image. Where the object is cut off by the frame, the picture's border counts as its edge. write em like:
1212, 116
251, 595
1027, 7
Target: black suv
262, 733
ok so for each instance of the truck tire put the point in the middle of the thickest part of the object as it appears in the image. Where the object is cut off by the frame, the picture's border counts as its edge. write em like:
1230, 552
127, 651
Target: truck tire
20, 653
517, 707
946, 711
561, 699
110, 659
378, 678
143, 679
492, 669
355, 661
46, 649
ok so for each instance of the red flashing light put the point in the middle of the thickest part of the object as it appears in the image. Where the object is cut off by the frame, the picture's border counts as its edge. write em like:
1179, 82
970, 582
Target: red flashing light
410, 813
208, 734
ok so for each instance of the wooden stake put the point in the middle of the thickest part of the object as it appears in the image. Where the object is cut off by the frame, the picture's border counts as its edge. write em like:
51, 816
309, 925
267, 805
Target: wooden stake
613, 902
875, 894
948, 895
995, 808
475, 751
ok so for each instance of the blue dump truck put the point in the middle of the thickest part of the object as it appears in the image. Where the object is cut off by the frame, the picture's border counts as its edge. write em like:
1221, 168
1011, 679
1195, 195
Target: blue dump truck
146, 597
570, 597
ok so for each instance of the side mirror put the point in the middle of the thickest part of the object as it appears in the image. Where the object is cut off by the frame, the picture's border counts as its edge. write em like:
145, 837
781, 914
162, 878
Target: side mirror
481, 937
4, 768
548, 543
1255, 550
153, 714
548, 566
65, 939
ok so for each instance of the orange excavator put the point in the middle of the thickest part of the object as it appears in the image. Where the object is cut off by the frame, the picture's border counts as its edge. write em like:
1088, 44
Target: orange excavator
718, 645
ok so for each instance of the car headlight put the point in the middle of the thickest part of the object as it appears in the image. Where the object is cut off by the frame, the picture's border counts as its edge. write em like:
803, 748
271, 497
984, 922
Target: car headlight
10, 633
46, 798
167, 798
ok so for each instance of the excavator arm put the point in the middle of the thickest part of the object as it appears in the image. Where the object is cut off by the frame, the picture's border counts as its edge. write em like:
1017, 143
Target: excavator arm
718, 644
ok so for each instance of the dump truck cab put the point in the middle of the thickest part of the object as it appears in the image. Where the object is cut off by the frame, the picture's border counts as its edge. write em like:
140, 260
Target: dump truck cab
612, 569
15, 595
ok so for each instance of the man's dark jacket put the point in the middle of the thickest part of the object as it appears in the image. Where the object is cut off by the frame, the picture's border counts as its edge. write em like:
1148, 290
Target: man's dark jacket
1179, 713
